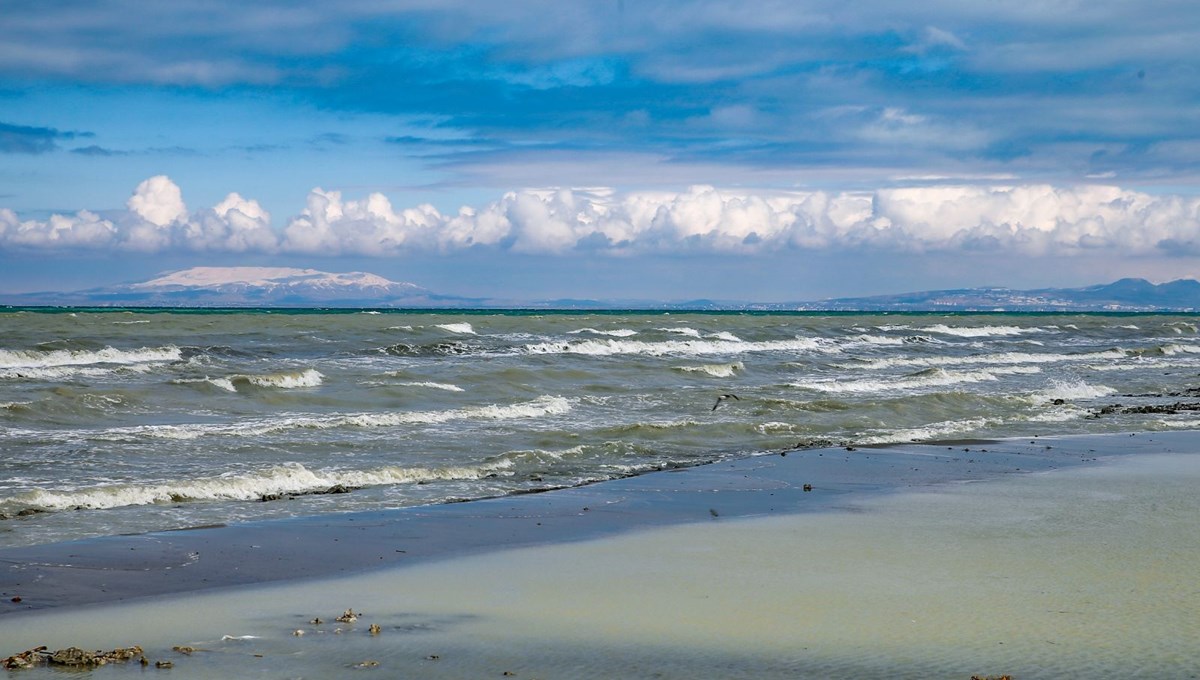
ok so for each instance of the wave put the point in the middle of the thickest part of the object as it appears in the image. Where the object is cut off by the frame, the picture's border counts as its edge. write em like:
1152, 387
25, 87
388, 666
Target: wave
715, 370
286, 478
678, 347
284, 380
617, 333
979, 331
997, 359
930, 432
403, 349
933, 377
1073, 390
684, 330
536, 408
36, 359
434, 385
461, 328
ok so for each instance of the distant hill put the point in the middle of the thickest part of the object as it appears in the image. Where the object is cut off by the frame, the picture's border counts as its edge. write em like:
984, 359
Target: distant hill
290, 287
1128, 295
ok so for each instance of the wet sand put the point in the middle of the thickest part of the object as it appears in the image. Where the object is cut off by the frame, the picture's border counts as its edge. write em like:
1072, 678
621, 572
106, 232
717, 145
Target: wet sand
1071, 557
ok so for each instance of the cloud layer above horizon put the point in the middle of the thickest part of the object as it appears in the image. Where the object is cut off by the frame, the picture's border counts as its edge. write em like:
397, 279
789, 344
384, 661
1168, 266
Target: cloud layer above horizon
1017, 219
671, 131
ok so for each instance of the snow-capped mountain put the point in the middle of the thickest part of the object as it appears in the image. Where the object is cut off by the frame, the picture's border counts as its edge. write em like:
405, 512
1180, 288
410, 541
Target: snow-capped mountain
261, 286
277, 282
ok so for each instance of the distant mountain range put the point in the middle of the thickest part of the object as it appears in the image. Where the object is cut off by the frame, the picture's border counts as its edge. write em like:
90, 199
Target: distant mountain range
1125, 295
289, 287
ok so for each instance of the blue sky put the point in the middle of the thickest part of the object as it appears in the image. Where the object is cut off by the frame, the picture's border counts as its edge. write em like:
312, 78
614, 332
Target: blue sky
608, 148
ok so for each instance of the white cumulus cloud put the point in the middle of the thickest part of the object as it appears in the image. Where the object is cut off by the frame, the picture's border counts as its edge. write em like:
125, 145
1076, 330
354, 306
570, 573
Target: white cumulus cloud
1031, 219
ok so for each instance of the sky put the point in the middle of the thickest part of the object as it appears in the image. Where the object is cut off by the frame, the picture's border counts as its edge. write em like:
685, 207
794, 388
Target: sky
755, 150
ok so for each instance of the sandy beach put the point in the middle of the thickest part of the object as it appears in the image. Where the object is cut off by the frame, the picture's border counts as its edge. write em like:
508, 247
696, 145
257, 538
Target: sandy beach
1052, 557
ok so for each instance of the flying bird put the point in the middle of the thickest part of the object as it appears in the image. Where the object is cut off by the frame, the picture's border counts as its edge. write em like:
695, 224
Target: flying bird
724, 397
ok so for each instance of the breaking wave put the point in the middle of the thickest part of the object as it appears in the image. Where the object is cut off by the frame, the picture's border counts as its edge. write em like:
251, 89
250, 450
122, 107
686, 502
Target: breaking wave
998, 359
284, 380
677, 347
33, 358
286, 478
979, 331
1073, 390
536, 408
715, 370
461, 328
933, 377
617, 333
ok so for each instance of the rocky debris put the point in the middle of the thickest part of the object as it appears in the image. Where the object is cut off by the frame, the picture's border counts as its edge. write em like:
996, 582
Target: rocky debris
188, 651
370, 663
335, 489
26, 659
27, 512
71, 657
348, 617
1159, 409
1189, 392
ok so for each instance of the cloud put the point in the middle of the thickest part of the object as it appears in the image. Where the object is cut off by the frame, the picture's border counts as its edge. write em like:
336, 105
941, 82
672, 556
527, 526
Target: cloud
33, 140
1022, 219
158, 201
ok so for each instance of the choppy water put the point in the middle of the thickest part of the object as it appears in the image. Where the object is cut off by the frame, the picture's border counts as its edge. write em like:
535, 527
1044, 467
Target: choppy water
132, 421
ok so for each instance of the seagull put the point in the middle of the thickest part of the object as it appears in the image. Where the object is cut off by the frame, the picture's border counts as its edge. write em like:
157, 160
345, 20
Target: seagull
723, 398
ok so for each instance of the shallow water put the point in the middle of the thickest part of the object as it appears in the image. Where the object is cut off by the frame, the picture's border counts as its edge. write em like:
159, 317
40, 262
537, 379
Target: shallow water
137, 421
1074, 573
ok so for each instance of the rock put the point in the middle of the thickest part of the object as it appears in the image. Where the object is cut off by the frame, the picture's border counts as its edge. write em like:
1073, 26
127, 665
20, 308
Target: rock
348, 617
27, 659
374, 629
297, 632
184, 650
124, 653
317, 621
74, 656
164, 664
370, 663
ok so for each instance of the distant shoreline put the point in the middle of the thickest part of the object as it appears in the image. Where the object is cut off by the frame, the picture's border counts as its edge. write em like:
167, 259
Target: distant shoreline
568, 311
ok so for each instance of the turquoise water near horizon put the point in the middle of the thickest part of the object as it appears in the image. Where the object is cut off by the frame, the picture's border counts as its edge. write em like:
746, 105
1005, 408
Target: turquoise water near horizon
115, 420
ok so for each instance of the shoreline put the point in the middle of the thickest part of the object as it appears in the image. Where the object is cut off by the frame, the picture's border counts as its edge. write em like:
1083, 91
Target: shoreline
122, 568
1079, 565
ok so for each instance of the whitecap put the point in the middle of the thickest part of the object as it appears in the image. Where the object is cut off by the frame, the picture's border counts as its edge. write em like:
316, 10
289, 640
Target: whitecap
616, 333
690, 332
678, 347
285, 478
461, 328
286, 380
934, 377
1073, 390
434, 385
32, 358
978, 331
536, 408
930, 432
715, 370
